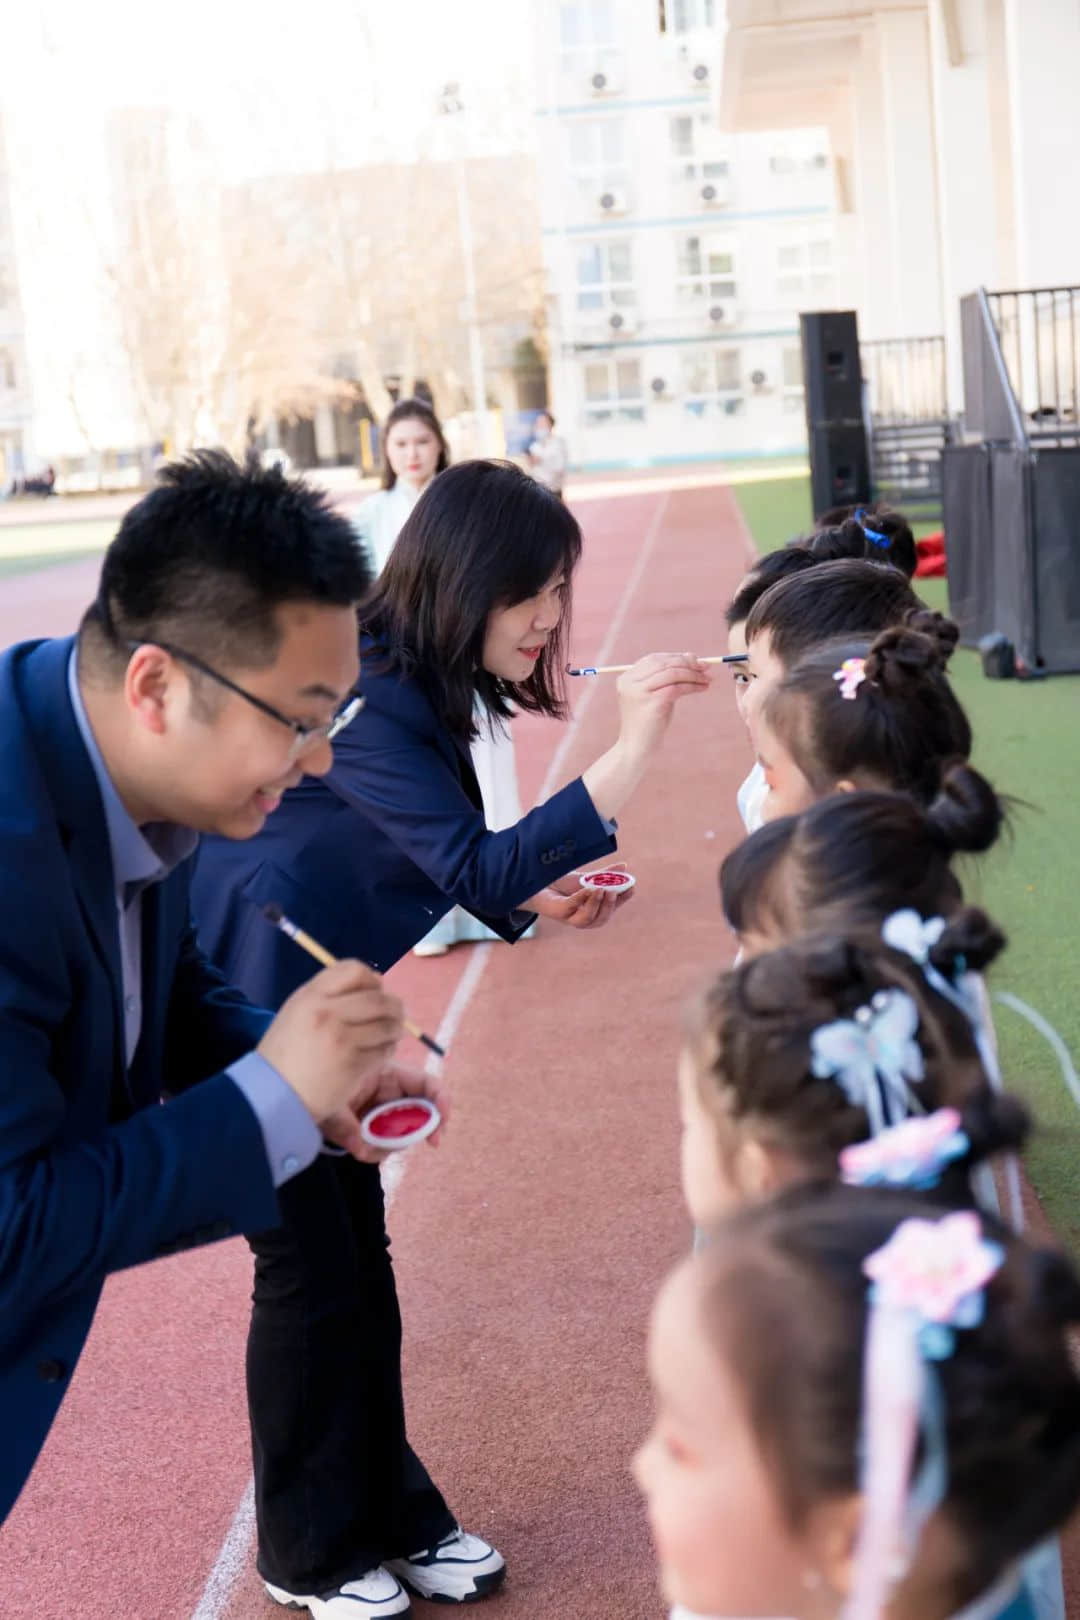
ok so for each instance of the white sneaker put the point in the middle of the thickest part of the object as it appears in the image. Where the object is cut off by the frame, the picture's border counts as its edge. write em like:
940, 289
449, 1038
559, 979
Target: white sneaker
432, 947
368, 1597
461, 1569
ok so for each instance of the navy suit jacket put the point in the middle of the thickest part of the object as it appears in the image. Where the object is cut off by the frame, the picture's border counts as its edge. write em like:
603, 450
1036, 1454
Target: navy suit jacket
94, 1176
368, 858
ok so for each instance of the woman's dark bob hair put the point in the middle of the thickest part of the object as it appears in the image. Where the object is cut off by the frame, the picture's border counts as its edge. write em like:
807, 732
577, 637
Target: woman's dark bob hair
483, 535
413, 410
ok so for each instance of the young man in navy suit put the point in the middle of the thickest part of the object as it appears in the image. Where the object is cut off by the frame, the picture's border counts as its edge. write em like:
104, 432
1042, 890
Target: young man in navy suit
144, 1105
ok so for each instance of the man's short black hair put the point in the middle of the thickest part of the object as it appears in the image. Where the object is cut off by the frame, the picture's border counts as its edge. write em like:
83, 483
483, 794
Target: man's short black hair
830, 599
203, 561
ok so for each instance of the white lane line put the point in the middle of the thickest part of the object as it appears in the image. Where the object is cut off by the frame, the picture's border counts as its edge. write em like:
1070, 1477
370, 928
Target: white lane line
231, 1562
233, 1559
743, 528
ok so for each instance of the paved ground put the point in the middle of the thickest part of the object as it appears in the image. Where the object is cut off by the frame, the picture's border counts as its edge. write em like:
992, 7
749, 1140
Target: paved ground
528, 1249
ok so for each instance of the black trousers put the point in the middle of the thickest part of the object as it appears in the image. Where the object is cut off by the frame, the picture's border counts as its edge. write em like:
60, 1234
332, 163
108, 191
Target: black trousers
337, 1487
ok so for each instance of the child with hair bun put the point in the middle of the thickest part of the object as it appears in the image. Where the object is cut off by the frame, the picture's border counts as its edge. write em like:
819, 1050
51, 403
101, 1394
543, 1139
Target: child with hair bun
877, 532
864, 1406
874, 714
792, 600
801, 1053
851, 860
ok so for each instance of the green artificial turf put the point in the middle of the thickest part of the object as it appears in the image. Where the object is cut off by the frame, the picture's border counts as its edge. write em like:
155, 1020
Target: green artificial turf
1026, 742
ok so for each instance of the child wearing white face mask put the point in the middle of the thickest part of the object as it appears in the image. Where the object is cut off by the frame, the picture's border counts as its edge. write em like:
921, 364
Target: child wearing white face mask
787, 605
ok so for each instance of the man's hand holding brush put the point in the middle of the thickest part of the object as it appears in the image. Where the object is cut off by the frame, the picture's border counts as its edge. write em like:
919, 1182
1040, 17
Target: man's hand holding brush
333, 1041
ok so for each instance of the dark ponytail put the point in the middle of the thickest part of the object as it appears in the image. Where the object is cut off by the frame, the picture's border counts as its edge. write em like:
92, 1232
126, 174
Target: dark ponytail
966, 815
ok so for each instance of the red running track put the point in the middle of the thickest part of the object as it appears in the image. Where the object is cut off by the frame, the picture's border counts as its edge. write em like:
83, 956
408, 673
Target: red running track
528, 1249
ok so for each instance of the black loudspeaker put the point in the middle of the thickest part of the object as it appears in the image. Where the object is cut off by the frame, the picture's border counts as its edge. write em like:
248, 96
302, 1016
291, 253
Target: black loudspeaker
832, 376
839, 466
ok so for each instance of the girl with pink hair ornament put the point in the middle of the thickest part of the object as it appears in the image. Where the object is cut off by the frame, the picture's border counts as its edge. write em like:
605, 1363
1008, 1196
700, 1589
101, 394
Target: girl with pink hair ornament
866, 1409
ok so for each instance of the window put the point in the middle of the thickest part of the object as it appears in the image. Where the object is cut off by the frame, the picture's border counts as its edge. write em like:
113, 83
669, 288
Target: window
587, 30
712, 380
605, 276
804, 269
597, 154
6, 287
613, 391
705, 268
7, 369
800, 155
791, 375
686, 15
691, 136
586, 22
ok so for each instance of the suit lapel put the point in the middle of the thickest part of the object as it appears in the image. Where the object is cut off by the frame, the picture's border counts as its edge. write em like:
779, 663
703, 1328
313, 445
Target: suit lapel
73, 791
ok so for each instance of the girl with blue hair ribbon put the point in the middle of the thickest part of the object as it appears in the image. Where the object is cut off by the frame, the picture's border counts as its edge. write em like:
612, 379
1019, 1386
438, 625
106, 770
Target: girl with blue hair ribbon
866, 1407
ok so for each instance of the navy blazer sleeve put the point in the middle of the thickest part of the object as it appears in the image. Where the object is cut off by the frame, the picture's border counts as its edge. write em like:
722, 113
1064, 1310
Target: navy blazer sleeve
388, 765
80, 1198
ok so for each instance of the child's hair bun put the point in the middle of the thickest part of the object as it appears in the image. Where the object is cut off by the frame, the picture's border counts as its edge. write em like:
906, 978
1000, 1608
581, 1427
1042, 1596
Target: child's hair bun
994, 1122
966, 815
1055, 1287
946, 632
918, 647
834, 965
847, 539
970, 942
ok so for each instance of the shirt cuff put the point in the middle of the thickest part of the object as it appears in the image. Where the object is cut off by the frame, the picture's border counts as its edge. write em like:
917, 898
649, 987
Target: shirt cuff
290, 1135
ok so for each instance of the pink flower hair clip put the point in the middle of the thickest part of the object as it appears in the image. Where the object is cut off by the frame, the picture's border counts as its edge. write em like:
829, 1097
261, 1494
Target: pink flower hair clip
850, 676
914, 1153
937, 1272
927, 1281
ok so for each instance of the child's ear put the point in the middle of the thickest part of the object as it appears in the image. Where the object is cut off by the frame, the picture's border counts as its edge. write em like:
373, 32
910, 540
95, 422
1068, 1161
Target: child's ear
833, 1535
846, 786
759, 1171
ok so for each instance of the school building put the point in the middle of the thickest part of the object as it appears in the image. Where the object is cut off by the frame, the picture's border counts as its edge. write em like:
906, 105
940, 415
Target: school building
678, 254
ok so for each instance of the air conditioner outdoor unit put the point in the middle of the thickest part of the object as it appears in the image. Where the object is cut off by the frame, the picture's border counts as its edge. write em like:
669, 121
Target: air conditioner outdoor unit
714, 194
621, 323
659, 388
612, 201
723, 314
602, 82
699, 75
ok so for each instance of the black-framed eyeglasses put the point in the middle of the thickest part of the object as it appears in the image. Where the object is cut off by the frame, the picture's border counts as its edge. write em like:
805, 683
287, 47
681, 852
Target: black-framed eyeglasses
304, 737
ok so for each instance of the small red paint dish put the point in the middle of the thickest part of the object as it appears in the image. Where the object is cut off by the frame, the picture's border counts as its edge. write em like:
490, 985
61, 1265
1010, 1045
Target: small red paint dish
608, 882
399, 1124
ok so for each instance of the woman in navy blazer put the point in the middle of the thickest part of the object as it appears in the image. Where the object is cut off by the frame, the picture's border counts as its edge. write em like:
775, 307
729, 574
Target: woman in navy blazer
474, 602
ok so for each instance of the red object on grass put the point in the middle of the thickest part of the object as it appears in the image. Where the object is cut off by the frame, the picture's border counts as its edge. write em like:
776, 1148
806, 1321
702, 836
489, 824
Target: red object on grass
931, 551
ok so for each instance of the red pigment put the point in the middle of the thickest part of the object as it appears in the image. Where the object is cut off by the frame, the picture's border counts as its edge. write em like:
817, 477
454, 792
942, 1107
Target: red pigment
607, 880
400, 1121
